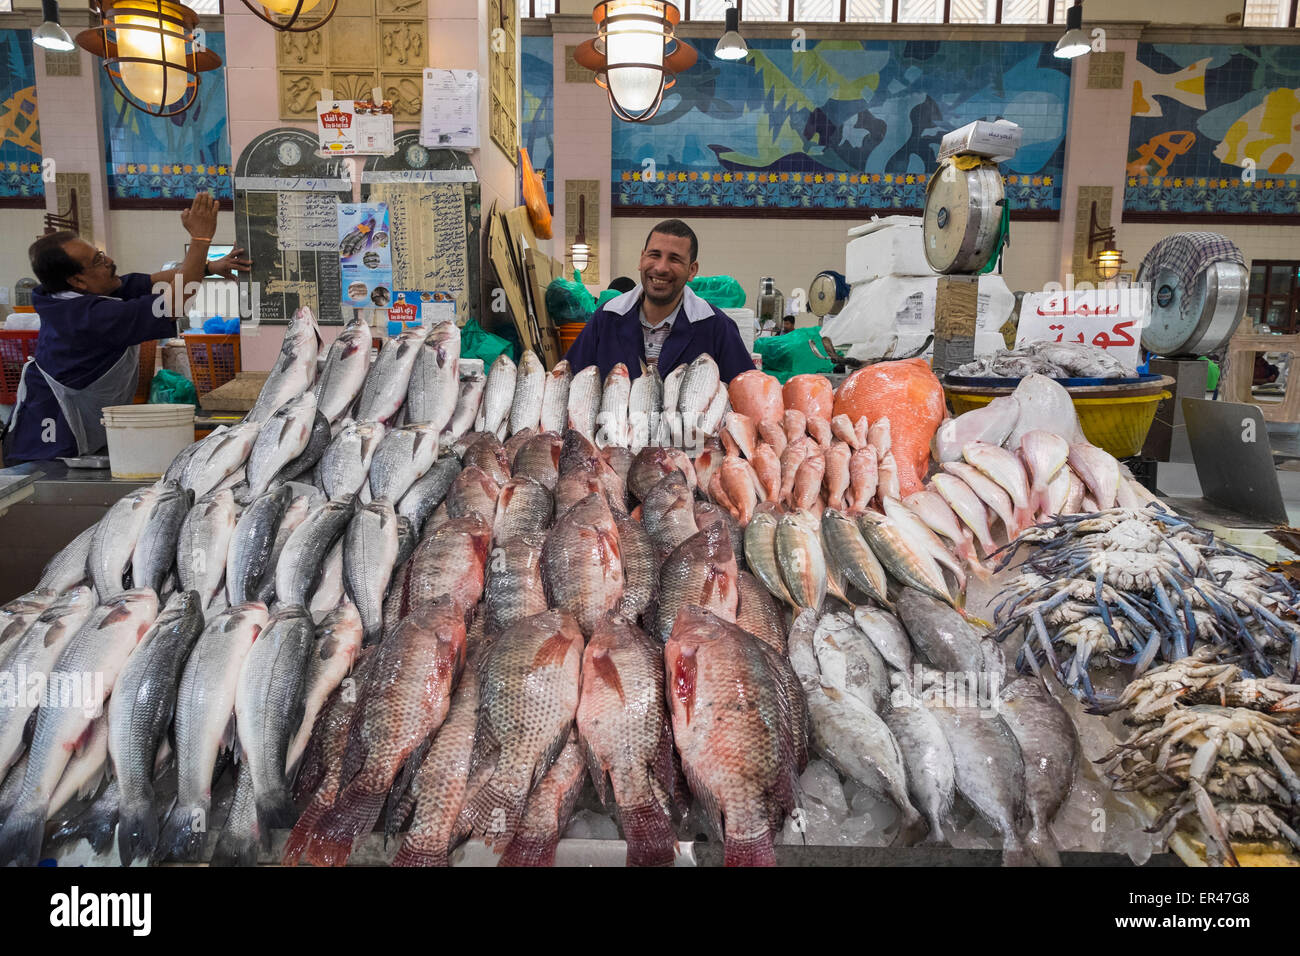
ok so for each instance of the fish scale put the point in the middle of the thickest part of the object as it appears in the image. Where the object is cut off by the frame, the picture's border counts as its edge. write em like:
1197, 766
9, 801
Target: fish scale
403, 456
584, 402
555, 398
530, 387
582, 567
668, 513
249, 557
539, 459
155, 551
139, 711
626, 733
731, 723
346, 463
435, 378
640, 568
528, 696
280, 440
700, 571
429, 491
335, 647
100, 647
204, 544
344, 372
115, 538
524, 506
369, 553
498, 395
205, 706
513, 589
550, 805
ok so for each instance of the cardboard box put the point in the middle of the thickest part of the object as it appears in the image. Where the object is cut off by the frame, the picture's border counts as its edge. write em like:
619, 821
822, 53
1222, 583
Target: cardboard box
998, 140
883, 247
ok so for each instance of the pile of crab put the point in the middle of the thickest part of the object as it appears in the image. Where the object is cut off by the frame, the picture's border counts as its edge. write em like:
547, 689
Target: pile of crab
1211, 740
1131, 587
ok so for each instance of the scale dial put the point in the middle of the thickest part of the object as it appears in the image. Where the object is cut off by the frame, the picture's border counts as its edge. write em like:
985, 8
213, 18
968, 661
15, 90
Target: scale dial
962, 214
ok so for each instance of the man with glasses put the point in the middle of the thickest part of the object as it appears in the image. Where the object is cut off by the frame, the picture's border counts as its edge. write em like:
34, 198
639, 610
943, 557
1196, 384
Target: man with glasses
92, 324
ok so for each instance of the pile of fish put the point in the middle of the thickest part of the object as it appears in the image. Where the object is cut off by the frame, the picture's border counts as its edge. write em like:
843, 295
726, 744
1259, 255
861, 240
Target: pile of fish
1053, 359
914, 709
1215, 745
1130, 586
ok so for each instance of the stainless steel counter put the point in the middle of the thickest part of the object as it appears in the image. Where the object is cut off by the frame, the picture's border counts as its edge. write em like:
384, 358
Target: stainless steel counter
64, 502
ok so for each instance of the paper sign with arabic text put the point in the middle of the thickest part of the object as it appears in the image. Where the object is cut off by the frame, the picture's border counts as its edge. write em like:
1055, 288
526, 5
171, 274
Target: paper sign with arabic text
1110, 319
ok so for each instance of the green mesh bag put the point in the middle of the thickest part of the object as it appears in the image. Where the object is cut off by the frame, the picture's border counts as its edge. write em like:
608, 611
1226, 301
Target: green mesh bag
568, 301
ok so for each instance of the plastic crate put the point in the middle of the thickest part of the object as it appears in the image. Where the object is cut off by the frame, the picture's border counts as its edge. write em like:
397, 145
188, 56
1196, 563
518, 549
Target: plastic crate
16, 347
214, 360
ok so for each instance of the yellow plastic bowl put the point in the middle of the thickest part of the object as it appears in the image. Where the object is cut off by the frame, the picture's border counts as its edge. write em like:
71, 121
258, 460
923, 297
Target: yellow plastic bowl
1116, 425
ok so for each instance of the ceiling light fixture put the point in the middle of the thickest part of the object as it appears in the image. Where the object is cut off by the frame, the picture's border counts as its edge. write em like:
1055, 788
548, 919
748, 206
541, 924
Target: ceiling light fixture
1074, 42
290, 11
50, 35
634, 55
732, 45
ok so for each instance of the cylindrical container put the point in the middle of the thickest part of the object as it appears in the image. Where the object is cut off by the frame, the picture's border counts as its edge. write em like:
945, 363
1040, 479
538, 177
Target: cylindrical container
143, 439
568, 333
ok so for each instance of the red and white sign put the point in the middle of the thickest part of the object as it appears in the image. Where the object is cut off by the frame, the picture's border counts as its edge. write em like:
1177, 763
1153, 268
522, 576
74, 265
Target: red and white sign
354, 127
1110, 319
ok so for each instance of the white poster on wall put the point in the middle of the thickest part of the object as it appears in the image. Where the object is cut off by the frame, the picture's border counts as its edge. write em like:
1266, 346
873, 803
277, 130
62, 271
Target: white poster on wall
449, 115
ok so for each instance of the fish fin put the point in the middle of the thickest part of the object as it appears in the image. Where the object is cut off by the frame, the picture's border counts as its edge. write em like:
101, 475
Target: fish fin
552, 652
1042, 846
649, 835
137, 831
605, 669
300, 836
414, 854
749, 851
274, 812
1014, 852
400, 798
704, 797
912, 829
531, 849
238, 846
181, 838
666, 773
20, 840
495, 811
596, 770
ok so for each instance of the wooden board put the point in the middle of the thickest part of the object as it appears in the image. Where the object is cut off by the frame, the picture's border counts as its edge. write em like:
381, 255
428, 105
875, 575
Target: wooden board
503, 265
1240, 373
237, 395
542, 269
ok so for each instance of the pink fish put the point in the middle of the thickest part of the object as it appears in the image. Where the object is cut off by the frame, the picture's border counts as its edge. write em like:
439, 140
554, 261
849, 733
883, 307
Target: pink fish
820, 430
795, 424
1044, 454
863, 478
837, 474
767, 465
773, 433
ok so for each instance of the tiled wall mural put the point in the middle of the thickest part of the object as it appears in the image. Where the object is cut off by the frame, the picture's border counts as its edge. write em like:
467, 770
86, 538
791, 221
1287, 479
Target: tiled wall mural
536, 107
20, 135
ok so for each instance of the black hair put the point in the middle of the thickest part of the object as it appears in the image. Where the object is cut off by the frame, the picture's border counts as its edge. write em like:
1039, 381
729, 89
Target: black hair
623, 284
51, 263
675, 227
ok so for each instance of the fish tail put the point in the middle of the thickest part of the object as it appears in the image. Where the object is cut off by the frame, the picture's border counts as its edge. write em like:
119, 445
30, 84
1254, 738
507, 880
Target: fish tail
137, 831
96, 826
749, 851
494, 812
415, 853
1042, 846
275, 812
20, 840
1014, 852
300, 835
531, 849
913, 829
235, 848
354, 812
649, 835
180, 838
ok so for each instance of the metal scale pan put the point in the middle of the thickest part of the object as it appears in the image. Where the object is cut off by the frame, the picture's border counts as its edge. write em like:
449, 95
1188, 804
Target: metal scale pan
1217, 302
963, 210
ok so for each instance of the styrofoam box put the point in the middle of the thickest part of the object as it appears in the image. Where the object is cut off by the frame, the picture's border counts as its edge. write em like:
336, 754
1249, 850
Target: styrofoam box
998, 140
883, 247
891, 317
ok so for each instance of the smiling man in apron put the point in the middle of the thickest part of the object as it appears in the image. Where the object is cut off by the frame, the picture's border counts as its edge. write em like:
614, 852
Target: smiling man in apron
92, 324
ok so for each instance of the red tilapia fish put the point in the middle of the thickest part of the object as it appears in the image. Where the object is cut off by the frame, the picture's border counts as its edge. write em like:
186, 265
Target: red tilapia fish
582, 563
528, 695
550, 806
627, 737
404, 701
449, 561
738, 722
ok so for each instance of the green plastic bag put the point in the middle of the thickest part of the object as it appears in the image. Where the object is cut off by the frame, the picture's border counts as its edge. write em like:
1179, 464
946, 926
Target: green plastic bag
1211, 374
606, 296
568, 301
795, 353
477, 343
170, 388
724, 292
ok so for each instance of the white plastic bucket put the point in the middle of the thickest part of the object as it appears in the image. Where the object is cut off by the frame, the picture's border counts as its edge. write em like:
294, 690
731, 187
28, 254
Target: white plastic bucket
143, 439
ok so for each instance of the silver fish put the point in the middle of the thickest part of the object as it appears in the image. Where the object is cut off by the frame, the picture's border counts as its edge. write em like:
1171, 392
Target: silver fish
115, 539
18, 615
939, 633
66, 569
612, 420
403, 456
307, 546
849, 661
295, 370
847, 550
205, 708
800, 558
1050, 749
204, 544
990, 772
429, 491
644, 406
711, 420
369, 555
329, 588
530, 388
469, 398
384, 390
337, 643
555, 399
268, 705
99, 648
139, 711
249, 557
499, 395
219, 457
155, 551
300, 508
931, 772
29, 657
301, 467
698, 388
670, 418
887, 634
346, 462
344, 371
282, 438
585, 401
435, 378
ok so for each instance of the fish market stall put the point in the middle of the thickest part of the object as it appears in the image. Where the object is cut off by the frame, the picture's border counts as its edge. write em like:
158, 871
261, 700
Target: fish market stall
505, 615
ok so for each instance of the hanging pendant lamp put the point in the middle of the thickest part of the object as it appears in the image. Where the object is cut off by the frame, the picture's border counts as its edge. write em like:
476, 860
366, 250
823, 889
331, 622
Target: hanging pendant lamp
634, 55
289, 11
150, 54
